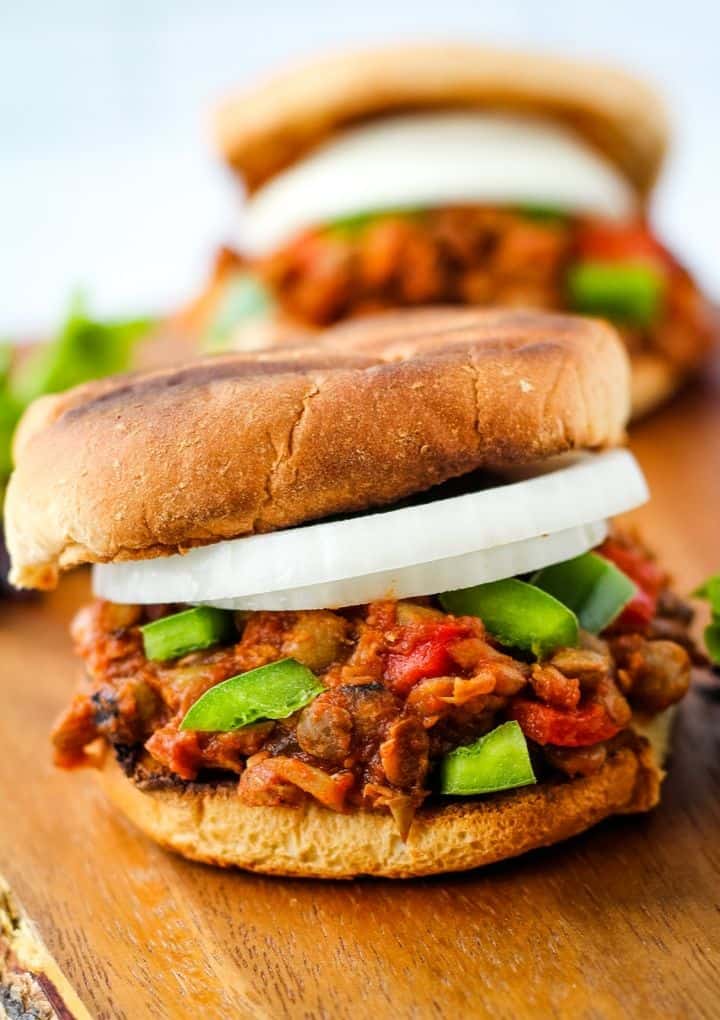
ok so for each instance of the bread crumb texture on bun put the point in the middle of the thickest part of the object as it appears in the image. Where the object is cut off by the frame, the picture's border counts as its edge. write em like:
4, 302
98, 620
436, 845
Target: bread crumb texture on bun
369, 413
209, 823
264, 129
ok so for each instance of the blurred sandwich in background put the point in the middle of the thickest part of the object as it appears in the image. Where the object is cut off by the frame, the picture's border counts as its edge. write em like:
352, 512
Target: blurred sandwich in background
452, 174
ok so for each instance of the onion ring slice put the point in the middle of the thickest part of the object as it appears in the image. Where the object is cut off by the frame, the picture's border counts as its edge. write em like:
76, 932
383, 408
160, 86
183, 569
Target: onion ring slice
501, 561
587, 489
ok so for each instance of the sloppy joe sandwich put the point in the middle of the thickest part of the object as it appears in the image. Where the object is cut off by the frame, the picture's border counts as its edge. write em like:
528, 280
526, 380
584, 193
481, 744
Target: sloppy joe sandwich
453, 174
360, 607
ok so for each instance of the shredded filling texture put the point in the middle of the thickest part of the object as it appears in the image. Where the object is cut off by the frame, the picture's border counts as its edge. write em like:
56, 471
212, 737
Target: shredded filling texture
473, 255
404, 683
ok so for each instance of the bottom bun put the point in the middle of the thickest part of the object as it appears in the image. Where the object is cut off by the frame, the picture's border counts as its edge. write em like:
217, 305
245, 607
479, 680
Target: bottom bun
654, 380
208, 823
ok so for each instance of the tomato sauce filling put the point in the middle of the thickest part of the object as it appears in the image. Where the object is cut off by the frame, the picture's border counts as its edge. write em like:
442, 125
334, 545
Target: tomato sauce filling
475, 255
404, 683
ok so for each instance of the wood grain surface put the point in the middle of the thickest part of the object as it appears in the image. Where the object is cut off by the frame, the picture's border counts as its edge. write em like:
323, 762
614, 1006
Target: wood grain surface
623, 921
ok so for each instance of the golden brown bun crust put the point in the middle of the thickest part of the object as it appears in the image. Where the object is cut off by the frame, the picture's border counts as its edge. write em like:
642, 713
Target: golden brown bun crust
211, 825
263, 130
367, 414
655, 378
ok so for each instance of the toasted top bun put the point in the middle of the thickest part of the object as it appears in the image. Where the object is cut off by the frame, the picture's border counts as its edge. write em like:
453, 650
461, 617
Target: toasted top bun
262, 130
366, 414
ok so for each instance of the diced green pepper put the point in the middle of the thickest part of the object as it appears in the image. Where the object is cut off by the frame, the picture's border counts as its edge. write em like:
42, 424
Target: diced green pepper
593, 587
353, 225
626, 292
710, 591
497, 761
517, 614
540, 213
189, 631
274, 691
244, 299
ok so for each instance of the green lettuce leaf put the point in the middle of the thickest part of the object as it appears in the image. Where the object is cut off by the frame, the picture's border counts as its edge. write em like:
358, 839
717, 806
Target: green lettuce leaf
84, 349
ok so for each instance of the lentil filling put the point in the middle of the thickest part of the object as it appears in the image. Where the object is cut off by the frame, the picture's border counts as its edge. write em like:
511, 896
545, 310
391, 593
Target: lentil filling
476, 255
404, 683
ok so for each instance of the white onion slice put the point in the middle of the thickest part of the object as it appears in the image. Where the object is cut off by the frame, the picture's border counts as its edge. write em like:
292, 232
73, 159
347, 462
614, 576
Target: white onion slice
430, 578
436, 159
589, 488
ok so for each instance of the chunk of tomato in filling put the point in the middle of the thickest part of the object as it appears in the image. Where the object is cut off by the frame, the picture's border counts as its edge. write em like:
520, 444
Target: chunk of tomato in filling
647, 575
627, 242
546, 724
423, 650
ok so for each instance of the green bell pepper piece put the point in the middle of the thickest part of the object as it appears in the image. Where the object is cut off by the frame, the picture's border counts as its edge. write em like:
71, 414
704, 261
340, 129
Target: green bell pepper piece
517, 614
244, 299
539, 213
274, 691
710, 591
497, 761
189, 631
593, 587
625, 292
353, 225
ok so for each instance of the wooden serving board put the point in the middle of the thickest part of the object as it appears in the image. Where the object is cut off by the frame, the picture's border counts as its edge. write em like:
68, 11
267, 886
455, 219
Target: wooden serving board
623, 921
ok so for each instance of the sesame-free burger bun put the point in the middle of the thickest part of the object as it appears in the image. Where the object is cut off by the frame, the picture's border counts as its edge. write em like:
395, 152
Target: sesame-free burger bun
148, 465
263, 130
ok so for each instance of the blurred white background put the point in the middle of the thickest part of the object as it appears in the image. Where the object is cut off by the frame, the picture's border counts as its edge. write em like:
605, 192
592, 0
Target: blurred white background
107, 176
